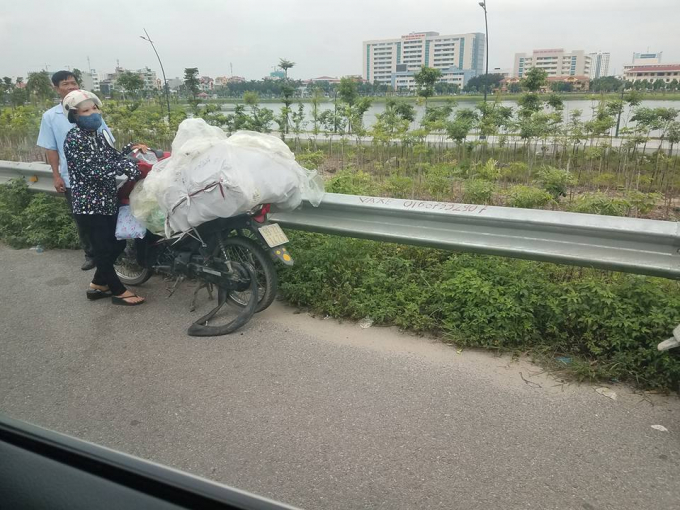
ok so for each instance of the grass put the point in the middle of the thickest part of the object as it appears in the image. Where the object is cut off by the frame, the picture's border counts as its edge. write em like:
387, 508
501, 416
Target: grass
607, 323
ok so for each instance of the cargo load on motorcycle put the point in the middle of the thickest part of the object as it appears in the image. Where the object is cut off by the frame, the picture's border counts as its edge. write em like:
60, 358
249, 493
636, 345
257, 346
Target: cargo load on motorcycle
210, 176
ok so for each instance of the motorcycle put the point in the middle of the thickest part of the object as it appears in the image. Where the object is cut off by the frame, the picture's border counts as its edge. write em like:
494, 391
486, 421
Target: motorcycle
235, 255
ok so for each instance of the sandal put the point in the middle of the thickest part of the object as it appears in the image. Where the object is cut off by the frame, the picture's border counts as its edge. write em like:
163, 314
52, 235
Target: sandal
119, 300
93, 294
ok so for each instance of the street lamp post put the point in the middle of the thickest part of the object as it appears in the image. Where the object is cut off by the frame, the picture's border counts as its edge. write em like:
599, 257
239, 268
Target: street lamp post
165, 80
482, 4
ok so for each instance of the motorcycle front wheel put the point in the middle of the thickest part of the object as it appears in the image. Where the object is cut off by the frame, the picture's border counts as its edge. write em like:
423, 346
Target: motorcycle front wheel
243, 273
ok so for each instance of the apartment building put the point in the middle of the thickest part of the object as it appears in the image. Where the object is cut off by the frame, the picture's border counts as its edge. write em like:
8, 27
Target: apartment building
405, 80
383, 57
556, 62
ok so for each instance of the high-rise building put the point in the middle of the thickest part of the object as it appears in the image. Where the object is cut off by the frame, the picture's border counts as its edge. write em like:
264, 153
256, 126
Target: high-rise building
556, 62
90, 81
383, 57
599, 64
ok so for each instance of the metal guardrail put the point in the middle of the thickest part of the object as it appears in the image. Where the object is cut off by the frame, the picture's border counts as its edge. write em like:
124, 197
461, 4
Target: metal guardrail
37, 175
632, 245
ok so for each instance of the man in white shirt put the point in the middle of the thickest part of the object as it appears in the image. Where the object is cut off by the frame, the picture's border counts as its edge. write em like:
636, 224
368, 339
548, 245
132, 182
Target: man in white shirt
53, 130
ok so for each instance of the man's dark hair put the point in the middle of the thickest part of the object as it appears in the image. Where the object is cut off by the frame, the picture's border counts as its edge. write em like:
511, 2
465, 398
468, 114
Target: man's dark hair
60, 76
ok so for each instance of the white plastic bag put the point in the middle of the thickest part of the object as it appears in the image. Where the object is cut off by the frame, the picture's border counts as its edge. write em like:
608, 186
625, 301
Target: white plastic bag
144, 207
211, 176
127, 226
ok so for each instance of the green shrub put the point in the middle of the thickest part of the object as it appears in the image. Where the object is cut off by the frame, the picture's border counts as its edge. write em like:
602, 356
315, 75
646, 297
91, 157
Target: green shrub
609, 323
606, 180
350, 182
528, 197
398, 186
599, 203
488, 172
310, 159
642, 203
29, 219
555, 181
593, 153
478, 191
438, 181
515, 172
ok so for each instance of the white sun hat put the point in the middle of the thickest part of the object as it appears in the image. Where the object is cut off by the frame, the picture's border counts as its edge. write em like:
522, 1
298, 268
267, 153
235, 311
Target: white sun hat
77, 97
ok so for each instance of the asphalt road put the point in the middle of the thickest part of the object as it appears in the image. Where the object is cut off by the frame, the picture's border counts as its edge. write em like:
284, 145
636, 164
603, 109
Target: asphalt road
320, 414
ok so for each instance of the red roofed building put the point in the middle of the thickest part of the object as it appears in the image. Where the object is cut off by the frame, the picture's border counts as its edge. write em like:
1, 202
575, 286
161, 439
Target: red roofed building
329, 79
578, 83
651, 73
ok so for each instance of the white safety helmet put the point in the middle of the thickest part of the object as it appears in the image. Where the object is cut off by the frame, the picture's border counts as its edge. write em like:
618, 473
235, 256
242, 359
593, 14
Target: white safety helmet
76, 98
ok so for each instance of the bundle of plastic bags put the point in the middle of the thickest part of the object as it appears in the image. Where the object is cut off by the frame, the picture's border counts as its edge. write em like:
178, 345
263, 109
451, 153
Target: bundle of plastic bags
210, 175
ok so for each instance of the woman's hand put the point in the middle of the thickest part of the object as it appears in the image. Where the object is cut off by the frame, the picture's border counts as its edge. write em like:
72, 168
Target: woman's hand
140, 147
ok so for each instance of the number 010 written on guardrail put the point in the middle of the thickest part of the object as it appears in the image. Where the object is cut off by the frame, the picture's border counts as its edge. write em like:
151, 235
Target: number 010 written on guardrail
425, 205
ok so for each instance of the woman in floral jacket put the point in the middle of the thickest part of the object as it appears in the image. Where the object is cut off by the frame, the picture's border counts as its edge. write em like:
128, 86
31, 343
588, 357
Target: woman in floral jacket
92, 166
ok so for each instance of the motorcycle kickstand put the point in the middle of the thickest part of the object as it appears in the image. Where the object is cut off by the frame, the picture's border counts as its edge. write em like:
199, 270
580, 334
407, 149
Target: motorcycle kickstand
177, 283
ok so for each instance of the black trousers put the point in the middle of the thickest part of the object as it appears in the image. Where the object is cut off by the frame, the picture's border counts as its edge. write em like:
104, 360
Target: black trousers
101, 232
85, 243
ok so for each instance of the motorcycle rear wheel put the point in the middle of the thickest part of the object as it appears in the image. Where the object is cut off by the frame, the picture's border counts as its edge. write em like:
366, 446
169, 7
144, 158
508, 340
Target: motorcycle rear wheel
247, 251
201, 326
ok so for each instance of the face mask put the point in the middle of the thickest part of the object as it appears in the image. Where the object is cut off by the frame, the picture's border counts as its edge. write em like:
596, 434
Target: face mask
90, 122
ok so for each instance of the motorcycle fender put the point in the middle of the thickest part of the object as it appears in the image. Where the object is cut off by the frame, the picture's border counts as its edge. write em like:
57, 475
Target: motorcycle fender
282, 254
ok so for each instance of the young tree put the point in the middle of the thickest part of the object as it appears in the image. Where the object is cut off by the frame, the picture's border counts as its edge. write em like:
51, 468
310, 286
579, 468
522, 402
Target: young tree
316, 114
347, 91
78, 75
260, 118
606, 84
287, 97
443, 88
191, 80
355, 106
560, 86
130, 82
478, 83
673, 136
555, 101
515, 88
39, 86
425, 81
18, 96
534, 79
464, 121
529, 103
436, 117
659, 84
6, 87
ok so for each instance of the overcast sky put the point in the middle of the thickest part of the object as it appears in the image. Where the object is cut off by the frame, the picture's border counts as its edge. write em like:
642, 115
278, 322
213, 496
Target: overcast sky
322, 37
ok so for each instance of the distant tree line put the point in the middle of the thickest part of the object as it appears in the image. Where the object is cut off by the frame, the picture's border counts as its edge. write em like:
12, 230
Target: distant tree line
130, 86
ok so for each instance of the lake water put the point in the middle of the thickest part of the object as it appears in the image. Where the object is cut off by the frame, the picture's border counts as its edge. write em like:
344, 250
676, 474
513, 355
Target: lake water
584, 105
